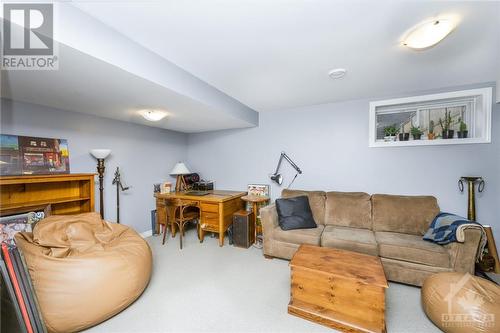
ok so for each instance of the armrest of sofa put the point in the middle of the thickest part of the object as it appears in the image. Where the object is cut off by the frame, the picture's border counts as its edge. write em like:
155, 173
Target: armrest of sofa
269, 220
463, 255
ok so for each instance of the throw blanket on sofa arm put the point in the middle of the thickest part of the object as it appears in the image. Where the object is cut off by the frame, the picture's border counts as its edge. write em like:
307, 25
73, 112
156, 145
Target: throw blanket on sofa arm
447, 228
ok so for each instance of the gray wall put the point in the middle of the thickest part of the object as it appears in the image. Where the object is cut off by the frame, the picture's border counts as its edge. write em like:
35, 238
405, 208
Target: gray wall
145, 155
330, 143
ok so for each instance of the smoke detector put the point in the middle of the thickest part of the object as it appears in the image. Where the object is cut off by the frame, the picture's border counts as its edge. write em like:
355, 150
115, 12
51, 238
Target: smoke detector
337, 73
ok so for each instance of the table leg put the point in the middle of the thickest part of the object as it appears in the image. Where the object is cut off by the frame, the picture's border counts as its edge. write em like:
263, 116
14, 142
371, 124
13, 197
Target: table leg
221, 224
221, 238
255, 206
202, 235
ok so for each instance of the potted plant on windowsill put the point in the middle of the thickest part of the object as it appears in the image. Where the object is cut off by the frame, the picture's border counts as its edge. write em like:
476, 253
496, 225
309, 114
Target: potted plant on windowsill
416, 132
404, 136
390, 133
463, 132
445, 124
431, 135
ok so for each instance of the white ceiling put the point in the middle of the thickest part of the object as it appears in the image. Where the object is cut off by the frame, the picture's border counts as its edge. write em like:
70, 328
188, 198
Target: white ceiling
276, 54
103, 72
89, 85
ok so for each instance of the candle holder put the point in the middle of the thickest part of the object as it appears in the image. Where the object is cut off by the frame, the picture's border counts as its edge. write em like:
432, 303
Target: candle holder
471, 182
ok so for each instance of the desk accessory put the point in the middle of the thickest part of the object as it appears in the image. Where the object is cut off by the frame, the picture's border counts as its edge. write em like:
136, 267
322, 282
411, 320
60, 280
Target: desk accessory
278, 178
101, 155
179, 170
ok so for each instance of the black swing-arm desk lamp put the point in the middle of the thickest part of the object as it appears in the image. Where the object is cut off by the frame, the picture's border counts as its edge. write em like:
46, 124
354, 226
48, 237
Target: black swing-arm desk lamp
277, 177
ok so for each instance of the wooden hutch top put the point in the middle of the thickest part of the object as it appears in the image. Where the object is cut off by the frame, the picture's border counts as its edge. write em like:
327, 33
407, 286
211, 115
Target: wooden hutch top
71, 193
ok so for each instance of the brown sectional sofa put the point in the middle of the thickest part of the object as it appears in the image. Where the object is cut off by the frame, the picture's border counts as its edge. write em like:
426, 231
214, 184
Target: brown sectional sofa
389, 226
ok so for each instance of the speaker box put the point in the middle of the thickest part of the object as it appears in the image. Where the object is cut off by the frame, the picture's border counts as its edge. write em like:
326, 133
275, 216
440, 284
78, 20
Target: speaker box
243, 229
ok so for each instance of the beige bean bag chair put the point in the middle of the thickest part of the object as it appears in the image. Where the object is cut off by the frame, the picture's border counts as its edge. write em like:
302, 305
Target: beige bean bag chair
462, 303
84, 270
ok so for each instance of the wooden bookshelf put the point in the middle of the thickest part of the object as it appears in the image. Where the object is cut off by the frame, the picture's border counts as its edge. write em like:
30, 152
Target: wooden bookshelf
66, 193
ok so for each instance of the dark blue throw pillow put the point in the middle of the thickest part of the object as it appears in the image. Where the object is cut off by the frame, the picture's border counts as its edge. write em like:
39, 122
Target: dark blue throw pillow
295, 213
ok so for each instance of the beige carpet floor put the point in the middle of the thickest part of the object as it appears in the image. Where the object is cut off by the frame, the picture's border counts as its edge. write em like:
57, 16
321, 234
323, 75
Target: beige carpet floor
205, 288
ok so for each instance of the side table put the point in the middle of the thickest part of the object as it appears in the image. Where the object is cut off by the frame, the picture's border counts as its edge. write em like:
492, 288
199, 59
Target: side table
255, 200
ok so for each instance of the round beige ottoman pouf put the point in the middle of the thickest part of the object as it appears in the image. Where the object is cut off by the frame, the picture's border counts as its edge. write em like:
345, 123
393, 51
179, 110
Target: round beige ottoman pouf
84, 270
462, 303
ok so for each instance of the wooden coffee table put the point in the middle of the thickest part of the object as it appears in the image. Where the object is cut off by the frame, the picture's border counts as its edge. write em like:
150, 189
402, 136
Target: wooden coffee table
340, 289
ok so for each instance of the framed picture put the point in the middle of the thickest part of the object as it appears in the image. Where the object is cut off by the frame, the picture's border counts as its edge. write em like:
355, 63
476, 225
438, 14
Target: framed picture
26, 155
258, 190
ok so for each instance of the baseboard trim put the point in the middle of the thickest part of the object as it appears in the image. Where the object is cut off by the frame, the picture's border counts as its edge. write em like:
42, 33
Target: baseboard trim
147, 233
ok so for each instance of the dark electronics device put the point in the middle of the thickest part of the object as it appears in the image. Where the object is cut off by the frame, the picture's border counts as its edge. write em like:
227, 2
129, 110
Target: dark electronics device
243, 229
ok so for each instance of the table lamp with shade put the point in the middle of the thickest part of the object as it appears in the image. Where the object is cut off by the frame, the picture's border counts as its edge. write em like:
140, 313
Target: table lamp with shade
100, 155
179, 170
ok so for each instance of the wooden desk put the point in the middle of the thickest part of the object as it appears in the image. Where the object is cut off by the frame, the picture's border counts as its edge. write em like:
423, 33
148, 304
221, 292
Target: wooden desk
216, 210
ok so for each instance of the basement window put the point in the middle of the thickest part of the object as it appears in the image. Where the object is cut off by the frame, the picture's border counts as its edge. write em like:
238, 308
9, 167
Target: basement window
459, 117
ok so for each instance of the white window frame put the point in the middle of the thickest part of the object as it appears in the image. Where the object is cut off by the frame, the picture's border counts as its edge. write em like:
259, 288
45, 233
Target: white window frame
480, 122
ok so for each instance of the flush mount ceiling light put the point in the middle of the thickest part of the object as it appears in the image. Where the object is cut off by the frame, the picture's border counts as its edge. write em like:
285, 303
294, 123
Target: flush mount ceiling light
153, 115
428, 33
337, 73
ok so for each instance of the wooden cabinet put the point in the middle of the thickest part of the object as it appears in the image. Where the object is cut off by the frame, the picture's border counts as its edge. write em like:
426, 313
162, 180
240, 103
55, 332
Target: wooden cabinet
66, 193
340, 289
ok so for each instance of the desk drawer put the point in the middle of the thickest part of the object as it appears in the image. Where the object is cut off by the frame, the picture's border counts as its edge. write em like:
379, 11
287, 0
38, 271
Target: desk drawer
209, 207
209, 221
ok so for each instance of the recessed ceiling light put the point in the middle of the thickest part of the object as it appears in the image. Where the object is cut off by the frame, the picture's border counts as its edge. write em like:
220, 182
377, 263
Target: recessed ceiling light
428, 33
337, 73
153, 115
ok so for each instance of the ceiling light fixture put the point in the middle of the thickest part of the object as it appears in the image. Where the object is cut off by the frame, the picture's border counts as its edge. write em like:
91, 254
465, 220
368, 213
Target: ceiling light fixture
337, 73
153, 115
428, 34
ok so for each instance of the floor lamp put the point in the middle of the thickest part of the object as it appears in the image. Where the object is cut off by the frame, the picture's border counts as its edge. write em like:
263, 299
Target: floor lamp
179, 170
100, 155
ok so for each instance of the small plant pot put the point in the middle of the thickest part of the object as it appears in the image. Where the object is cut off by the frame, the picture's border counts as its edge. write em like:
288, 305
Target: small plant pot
451, 134
404, 136
389, 138
431, 136
417, 136
462, 134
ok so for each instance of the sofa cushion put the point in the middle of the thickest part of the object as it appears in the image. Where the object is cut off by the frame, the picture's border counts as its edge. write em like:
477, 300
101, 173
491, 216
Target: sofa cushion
348, 209
299, 236
411, 248
403, 214
316, 201
294, 213
351, 239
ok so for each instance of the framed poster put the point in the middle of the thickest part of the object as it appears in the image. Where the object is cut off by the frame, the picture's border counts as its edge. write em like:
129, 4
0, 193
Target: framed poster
261, 190
26, 155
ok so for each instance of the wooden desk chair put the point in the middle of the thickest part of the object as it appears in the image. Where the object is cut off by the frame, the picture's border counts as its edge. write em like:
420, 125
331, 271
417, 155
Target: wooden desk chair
180, 213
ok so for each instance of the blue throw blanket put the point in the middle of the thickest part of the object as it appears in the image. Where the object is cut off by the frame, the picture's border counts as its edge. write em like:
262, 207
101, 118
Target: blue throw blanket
447, 228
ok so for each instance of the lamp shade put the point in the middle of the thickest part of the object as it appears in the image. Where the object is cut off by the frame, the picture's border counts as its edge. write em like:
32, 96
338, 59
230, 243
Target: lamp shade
100, 153
278, 178
180, 169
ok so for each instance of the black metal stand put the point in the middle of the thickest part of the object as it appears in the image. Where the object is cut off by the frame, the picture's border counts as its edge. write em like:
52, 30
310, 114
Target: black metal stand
118, 182
100, 171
